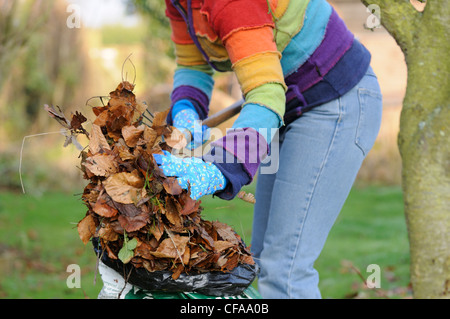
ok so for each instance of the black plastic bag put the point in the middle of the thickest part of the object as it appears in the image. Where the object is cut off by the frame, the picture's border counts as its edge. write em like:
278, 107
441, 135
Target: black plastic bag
214, 283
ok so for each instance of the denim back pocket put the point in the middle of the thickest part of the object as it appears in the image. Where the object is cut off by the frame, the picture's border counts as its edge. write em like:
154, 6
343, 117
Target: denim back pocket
370, 109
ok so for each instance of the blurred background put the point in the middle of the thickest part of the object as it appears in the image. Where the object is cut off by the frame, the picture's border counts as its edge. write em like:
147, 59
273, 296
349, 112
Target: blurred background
63, 52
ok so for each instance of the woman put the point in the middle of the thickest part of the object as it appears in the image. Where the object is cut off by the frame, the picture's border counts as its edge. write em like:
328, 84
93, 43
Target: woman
301, 71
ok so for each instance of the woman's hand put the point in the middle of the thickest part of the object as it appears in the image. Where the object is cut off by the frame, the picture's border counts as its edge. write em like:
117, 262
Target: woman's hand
201, 177
188, 122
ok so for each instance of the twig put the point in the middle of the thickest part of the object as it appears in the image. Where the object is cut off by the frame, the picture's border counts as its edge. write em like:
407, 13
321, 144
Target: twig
21, 151
134, 67
173, 242
358, 272
126, 282
98, 96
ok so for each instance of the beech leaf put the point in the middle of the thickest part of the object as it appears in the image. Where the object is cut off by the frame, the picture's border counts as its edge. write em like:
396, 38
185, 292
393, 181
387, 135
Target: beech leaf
97, 141
167, 249
132, 134
125, 188
176, 139
103, 208
101, 164
77, 120
172, 186
132, 218
189, 205
86, 228
226, 232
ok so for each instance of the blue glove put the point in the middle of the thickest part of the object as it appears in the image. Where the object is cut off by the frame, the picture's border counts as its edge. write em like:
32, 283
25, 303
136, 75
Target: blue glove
203, 178
186, 119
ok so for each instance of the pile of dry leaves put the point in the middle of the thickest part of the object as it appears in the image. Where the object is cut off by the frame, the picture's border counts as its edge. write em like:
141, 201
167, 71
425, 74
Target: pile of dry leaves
140, 215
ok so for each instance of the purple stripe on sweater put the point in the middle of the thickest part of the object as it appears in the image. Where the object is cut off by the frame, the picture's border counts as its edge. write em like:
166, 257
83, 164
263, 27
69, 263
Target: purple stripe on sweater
190, 92
247, 145
338, 39
338, 81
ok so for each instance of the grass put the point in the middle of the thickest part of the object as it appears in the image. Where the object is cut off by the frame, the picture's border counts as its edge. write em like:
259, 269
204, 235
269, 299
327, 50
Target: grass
370, 230
38, 240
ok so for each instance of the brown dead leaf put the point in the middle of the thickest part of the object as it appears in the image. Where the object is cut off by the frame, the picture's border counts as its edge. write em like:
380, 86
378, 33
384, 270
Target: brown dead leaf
157, 230
206, 262
125, 85
167, 249
160, 119
206, 237
172, 186
131, 224
132, 134
122, 105
86, 228
102, 118
139, 109
175, 139
97, 141
150, 136
177, 272
115, 124
102, 164
109, 250
189, 205
231, 263
77, 120
107, 233
247, 259
186, 255
98, 110
172, 213
221, 261
125, 188
226, 232
123, 150
115, 225
143, 250
132, 218
103, 206
220, 245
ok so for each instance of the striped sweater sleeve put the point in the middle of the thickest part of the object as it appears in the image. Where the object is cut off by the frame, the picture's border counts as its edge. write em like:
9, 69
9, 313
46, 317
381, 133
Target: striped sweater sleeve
193, 76
249, 41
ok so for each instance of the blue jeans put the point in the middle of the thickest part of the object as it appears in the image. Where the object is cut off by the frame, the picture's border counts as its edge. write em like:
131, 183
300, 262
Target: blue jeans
319, 157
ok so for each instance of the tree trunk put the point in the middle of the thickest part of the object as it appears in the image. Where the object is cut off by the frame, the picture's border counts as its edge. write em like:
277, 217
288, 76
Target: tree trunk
424, 141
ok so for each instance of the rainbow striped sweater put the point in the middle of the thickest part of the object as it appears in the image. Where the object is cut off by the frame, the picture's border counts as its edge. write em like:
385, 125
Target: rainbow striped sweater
288, 56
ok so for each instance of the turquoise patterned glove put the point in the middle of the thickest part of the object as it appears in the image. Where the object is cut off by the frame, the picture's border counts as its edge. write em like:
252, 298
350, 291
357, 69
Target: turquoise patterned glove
188, 122
203, 178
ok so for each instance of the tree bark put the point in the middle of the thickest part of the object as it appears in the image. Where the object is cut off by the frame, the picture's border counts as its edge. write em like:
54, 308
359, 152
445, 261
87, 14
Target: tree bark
424, 139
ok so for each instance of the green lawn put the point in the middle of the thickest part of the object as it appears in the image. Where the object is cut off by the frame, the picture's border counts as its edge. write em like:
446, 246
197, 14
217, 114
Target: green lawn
38, 240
